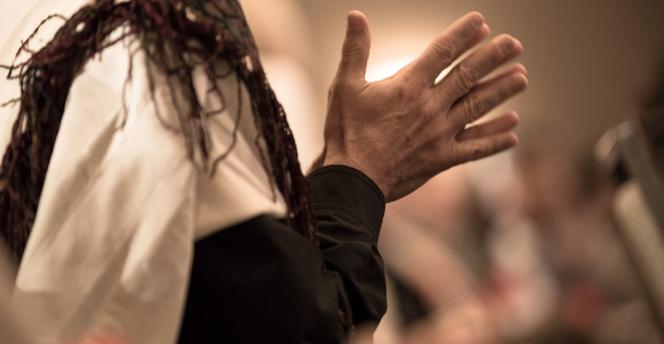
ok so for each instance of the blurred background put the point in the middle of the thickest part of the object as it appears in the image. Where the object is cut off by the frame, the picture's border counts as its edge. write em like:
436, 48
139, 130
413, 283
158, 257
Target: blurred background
526, 246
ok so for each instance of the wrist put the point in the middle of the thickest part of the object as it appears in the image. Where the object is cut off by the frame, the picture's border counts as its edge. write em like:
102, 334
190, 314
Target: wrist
331, 160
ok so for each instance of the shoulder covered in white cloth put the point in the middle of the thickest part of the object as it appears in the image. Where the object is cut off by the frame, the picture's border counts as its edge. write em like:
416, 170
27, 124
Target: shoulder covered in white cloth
122, 206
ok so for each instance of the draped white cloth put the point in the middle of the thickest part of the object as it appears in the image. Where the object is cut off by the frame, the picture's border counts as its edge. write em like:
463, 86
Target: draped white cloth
112, 243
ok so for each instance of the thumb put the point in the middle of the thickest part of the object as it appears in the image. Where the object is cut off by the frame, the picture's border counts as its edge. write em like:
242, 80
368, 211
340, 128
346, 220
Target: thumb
355, 53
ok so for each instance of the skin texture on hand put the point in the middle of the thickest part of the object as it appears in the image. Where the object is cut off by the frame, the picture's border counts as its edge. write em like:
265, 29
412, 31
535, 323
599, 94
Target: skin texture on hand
405, 129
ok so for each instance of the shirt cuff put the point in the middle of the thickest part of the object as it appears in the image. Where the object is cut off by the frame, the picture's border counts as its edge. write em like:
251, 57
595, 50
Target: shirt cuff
346, 189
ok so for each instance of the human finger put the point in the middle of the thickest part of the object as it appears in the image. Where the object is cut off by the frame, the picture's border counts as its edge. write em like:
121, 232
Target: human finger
476, 149
498, 125
356, 47
467, 74
462, 35
486, 96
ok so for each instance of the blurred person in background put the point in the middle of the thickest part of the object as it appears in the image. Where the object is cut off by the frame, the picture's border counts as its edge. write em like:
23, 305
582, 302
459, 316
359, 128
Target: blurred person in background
437, 277
565, 207
556, 271
537, 259
174, 205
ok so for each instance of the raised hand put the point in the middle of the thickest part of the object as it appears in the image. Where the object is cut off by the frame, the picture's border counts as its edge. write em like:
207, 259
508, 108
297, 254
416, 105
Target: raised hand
405, 129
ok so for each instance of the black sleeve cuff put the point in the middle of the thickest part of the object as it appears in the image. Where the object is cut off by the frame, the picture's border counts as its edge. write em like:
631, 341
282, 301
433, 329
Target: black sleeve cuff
345, 189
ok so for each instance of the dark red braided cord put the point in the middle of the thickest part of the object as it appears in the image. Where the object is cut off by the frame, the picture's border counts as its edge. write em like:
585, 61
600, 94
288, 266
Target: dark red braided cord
176, 36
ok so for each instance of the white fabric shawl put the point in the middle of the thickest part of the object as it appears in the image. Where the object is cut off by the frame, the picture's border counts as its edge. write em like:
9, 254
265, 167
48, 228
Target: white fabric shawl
111, 247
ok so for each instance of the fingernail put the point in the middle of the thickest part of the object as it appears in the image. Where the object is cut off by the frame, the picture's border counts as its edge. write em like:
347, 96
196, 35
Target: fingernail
508, 43
517, 45
523, 69
478, 19
513, 44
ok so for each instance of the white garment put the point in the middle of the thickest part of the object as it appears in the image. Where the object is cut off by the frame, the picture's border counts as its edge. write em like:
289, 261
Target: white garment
112, 242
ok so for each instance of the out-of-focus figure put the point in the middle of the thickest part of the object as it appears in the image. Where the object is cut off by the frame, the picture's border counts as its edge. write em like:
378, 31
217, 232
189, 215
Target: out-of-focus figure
633, 154
435, 281
555, 249
567, 205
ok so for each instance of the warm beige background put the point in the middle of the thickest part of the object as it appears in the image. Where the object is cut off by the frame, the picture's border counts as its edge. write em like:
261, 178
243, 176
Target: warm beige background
589, 61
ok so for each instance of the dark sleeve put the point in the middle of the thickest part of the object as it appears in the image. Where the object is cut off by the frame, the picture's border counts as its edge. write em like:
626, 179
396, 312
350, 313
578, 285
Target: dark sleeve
260, 281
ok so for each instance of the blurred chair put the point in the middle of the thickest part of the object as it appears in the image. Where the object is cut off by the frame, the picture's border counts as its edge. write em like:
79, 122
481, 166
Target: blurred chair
633, 153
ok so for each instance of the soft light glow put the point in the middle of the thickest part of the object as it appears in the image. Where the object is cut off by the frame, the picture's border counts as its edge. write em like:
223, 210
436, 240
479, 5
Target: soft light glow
386, 68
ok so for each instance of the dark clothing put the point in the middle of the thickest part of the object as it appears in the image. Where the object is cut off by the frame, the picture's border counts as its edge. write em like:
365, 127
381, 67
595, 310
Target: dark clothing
261, 282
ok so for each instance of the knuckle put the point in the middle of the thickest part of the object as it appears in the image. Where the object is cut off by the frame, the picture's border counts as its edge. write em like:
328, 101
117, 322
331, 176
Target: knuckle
444, 50
429, 111
448, 157
501, 50
405, 92
411, 79
402, 93
473, 107
478, 151
353, 48
466, 77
